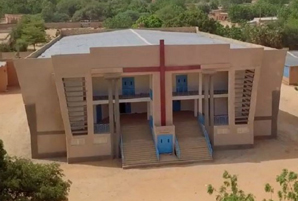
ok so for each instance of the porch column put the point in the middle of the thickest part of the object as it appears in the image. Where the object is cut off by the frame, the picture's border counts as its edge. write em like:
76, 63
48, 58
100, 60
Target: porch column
195, 107
211, 130
206, 101
111, 118
200, 105
117, 117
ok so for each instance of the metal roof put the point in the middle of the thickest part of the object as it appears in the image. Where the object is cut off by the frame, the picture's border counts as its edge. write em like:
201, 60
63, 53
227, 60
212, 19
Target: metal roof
79, 44
292, 58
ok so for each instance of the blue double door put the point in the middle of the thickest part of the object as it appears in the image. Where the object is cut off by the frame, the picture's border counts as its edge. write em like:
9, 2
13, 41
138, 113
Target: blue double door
165, 144
128, 89
181, 87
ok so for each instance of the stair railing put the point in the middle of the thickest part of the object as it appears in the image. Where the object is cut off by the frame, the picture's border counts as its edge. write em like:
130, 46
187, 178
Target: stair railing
206, 135
151, 124
121, 147
177, 148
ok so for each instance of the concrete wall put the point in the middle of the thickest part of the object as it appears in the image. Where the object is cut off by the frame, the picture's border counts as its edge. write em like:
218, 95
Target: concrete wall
140, 107
100, 85
192, 81
221, 106
38, 89
3, 78
293, 75
270, 82
187, 105
13, 80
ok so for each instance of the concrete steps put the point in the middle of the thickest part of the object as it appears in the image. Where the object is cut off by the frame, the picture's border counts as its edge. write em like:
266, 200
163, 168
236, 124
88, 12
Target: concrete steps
138, 146
193, 146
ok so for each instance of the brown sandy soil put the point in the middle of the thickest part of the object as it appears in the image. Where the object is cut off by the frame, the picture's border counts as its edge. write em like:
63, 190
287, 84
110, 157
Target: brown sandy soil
107, 181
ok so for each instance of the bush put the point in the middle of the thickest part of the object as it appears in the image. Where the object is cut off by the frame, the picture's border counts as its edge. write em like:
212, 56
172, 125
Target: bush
148, 21
122, 20
21, 179
5, 48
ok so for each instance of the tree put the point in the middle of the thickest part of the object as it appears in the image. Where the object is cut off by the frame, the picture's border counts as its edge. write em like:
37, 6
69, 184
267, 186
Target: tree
48, 10
148, 21
21, 179
168, 14
204, 7
33, 35
229, 191
29, 31
122, 20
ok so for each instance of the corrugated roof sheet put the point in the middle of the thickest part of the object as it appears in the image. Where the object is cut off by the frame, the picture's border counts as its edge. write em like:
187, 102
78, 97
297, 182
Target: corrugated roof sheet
292, 58
79, 44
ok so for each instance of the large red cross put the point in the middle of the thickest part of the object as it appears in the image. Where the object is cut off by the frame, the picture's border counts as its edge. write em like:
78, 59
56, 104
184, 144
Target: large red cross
162, 68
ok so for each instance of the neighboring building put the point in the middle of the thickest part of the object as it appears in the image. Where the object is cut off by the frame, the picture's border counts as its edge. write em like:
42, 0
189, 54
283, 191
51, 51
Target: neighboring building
262, 20
151, 97
12, 18
291, 68
3, 76
219, 15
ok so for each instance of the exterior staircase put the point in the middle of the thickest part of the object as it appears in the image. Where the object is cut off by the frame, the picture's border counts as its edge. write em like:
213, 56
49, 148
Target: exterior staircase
75, 95
138, 147
243, 89
192, 143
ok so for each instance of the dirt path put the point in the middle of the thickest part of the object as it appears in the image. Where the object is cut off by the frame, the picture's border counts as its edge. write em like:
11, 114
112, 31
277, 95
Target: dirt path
106, 181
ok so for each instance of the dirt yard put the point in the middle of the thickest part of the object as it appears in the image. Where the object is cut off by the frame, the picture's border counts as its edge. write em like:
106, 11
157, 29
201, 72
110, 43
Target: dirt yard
107, 181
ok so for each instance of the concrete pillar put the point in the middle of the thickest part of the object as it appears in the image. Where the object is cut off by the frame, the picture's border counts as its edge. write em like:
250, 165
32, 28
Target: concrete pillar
89, 102
195, 107
231, 98
111, 118
200, 104
206, 101
148, 110
117, 118
211, 130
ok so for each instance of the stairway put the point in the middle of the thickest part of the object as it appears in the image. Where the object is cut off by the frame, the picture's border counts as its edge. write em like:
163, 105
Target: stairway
138, 145
192, 143
75, 94
243, 89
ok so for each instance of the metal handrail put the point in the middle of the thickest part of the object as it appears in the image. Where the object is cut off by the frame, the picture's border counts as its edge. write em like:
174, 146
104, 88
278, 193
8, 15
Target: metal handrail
206, 135
121, 147
153, 136
177, 148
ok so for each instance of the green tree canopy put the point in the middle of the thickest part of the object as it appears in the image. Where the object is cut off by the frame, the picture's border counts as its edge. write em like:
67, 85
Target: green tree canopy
21, 179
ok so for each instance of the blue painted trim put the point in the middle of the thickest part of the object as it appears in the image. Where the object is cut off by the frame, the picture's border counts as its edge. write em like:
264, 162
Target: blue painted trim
151, 124
206, 135
177, 149
151, 94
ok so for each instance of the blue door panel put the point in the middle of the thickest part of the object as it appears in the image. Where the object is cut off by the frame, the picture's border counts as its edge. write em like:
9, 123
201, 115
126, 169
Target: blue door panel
181, 83
127, 108
98, 114
128, 86
165, 144
176, 105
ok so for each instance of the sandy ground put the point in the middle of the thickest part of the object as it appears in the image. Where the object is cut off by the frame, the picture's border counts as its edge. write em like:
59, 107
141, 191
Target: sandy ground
107, 181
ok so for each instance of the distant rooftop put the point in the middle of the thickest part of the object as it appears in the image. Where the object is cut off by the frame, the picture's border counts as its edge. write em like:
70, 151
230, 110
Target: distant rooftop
2, 63
292, 58
80, 44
